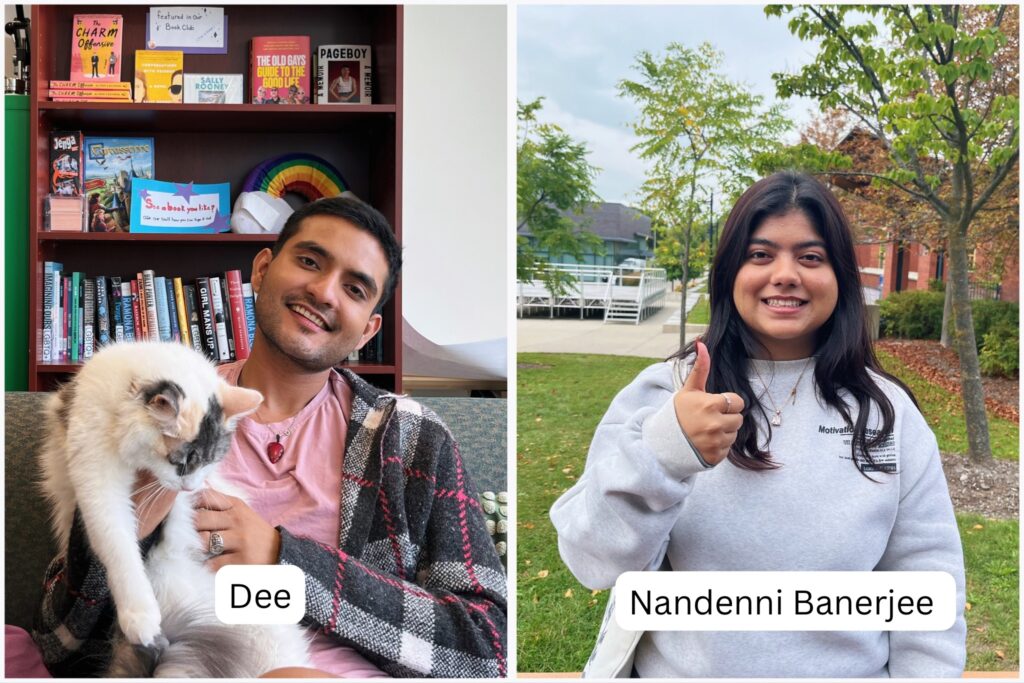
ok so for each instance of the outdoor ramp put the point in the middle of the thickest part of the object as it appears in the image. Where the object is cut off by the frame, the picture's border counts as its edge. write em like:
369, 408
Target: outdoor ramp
624, 294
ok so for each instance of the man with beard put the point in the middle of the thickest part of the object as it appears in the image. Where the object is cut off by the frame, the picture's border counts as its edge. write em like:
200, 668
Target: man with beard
362, 489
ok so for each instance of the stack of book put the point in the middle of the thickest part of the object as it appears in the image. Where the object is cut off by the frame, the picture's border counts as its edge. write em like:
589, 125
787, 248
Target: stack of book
90, 91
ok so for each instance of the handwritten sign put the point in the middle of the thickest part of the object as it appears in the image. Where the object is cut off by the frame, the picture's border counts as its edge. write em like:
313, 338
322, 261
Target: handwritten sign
189, 29
186, 208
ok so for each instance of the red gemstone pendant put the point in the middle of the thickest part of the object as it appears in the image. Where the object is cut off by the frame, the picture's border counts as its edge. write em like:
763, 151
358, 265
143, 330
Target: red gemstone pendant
275, 451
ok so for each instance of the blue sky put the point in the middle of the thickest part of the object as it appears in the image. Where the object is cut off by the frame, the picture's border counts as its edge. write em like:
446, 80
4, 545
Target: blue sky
574, 55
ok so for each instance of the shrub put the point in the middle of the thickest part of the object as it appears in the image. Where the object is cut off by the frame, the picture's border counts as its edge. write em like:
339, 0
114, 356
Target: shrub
912, 315
1000, 349
989, 315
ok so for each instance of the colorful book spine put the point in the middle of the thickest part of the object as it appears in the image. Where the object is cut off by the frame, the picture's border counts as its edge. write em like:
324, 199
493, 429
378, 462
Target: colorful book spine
163, 320
172, 309
236, 304
65, 333
76, 279
179, 304
217, 304
152, 317
206, 318
89, 317
50, 297
228, 328
102, 312
128, 311
188, 294
116, 309
250, 311
139, 309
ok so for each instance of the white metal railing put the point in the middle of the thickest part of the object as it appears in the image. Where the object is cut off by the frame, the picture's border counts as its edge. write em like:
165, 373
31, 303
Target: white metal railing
625, 294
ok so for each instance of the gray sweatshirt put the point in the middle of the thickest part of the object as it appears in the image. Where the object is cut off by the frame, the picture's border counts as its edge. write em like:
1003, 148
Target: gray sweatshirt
645, 493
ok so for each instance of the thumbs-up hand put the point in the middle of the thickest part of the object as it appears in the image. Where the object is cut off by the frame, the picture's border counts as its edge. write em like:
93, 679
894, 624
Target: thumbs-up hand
710, 421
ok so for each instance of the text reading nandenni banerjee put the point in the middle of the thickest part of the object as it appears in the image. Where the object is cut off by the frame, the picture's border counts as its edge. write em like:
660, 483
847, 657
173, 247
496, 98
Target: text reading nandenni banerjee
786, 601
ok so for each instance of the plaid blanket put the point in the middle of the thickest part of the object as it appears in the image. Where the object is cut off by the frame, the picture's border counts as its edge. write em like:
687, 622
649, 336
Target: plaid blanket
415, 584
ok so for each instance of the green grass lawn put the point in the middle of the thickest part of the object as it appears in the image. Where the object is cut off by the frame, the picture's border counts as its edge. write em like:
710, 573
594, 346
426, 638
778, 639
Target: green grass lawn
561, 398
700, 314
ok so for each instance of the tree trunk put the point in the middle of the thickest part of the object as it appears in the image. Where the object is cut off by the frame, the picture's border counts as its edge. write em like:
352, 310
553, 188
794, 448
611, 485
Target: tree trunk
946, 338
966, 348
686, 279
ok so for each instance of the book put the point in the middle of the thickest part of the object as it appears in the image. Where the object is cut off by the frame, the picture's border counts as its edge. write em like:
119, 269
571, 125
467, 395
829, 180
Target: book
344, 74
65, 312
96, 47
66, 163
236, 305
148, 294
213, 89
92, 86
172, 310
250, 311
50, 302
141, 333
128, 311
88, 317
179, 305
76, 280
206, 320
279, 70
117, 309
102, 312
228, 325
159, 75
188, 293
220, 327
163, 320
111, 165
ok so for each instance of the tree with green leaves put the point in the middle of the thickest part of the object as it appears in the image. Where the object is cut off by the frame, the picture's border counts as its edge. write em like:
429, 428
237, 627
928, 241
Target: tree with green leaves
553, 178
700, 130
921, 78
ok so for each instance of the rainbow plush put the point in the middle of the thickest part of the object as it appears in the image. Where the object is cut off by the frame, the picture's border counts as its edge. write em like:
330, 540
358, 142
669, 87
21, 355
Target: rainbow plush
304, 174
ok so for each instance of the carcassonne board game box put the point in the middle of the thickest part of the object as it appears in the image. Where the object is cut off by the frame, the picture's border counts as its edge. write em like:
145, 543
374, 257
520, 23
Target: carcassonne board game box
111, 164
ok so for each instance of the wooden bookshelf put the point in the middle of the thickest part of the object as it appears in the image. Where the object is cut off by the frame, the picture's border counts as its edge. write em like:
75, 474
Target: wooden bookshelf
215, 144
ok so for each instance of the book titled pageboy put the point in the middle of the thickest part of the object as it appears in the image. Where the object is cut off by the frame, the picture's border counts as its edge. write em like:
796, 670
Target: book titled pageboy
344, 74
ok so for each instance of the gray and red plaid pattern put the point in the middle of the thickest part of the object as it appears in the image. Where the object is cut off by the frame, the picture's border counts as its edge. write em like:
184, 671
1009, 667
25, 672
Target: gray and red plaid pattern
415, 584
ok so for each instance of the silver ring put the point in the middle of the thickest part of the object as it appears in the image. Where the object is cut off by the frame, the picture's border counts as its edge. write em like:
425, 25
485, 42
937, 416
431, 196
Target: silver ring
216, 543
728, 403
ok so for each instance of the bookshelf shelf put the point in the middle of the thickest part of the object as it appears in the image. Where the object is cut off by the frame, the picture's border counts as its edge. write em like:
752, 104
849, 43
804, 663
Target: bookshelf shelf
216, 144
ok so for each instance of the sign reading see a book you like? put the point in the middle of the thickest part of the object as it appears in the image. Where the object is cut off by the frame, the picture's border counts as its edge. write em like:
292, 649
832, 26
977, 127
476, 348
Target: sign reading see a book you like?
185, 208
189, 29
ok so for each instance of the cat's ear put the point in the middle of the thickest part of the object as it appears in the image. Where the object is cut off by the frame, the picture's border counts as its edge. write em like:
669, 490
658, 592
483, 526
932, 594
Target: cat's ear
239, 401
163, 400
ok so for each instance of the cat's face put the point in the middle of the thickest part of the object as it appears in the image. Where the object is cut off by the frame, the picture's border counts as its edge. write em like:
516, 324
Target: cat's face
195, 431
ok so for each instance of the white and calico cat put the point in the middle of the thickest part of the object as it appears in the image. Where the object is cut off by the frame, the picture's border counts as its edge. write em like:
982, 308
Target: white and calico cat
159, 407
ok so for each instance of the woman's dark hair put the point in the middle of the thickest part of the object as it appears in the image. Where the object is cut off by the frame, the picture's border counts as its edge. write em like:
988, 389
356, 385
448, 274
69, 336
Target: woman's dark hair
843, 353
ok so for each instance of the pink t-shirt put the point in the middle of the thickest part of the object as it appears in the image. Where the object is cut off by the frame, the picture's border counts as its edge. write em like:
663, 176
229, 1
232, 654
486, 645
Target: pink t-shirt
301, 491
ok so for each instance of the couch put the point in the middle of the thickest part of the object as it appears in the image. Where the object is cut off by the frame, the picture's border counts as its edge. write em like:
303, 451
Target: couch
479, 425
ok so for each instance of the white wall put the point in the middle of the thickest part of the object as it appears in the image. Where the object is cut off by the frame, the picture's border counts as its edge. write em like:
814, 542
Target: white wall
455, 173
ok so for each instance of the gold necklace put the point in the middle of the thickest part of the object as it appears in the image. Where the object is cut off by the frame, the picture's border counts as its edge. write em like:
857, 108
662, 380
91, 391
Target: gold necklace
776, 419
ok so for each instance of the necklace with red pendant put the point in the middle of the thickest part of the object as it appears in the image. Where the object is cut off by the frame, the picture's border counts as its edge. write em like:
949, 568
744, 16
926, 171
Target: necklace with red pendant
275, 449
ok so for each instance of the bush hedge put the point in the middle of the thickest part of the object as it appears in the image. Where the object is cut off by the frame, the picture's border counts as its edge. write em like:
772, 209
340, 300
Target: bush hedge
918, 315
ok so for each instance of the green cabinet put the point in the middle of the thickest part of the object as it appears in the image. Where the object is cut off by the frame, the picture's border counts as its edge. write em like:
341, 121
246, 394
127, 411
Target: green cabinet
16, 231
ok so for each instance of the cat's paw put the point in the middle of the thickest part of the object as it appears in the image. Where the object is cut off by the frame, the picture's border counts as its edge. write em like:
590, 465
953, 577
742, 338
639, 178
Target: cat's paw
141, 627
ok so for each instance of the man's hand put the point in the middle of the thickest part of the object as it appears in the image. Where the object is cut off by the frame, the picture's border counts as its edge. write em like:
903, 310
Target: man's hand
711, 421
247, 538
152, 503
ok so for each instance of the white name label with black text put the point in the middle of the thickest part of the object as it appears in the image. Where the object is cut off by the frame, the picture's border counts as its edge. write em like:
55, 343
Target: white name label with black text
259, 594
785, 601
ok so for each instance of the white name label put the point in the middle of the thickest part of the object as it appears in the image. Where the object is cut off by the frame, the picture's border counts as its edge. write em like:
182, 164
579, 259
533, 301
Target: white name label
785, 601
259, 594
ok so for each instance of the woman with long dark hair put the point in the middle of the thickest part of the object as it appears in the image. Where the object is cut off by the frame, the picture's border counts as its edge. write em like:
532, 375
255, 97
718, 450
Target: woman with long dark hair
776, 442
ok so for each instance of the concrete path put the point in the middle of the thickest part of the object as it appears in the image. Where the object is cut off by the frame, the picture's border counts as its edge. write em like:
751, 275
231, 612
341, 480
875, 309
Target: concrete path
571, 335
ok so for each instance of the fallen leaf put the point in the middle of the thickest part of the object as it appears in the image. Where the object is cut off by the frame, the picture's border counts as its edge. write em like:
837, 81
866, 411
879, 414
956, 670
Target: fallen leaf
568, 593
977, 526
538, 419
536, 599
593, 602
566, 470
528, 525
1000, 655
979, 629
594, 592
527, 562
967, 606
542, 574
